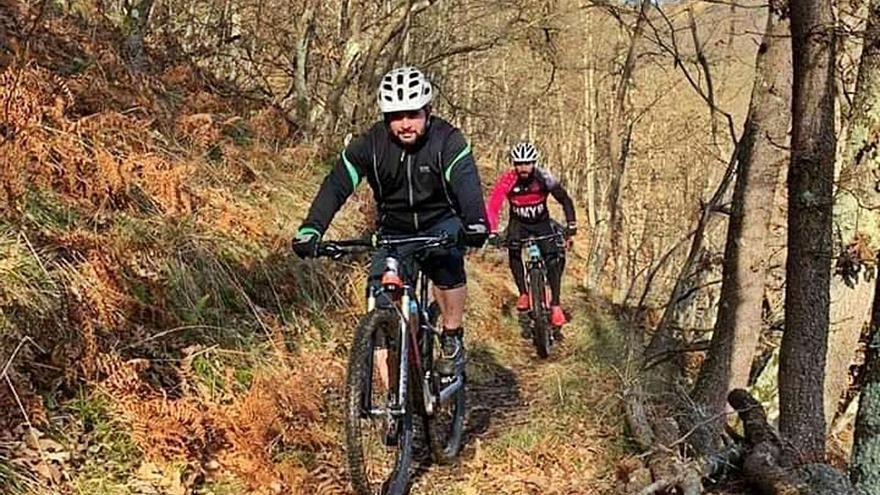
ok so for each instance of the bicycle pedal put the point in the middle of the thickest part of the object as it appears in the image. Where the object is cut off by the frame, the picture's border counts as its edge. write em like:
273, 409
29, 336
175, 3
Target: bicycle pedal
390, 439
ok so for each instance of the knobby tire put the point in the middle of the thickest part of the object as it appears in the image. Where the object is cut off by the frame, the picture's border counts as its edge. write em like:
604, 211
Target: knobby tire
360, 374
541, 329
445, 428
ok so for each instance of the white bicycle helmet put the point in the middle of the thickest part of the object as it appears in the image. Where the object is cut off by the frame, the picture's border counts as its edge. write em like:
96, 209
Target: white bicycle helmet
404, 89
523, 153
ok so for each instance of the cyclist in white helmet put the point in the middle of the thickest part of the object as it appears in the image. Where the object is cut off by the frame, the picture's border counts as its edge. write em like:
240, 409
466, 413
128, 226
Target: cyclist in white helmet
424, 181
526, 187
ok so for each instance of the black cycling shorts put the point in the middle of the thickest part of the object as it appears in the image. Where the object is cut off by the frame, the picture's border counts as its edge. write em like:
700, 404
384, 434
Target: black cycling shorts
445, 268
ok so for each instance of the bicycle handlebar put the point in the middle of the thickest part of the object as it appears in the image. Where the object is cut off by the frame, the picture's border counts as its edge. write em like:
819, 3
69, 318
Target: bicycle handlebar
525, 240
340, 248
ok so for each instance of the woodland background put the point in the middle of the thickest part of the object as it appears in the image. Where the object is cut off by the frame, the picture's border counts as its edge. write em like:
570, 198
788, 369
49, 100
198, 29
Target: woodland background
156, 156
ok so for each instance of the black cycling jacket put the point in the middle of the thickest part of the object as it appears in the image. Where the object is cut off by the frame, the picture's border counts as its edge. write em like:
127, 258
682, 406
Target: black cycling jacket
414, 187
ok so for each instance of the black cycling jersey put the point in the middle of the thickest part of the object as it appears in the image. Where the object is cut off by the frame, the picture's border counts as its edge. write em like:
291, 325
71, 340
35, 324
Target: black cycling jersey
414, 187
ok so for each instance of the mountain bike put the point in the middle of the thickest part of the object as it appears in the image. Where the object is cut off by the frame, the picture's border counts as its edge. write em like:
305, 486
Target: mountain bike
535, 322
401, 328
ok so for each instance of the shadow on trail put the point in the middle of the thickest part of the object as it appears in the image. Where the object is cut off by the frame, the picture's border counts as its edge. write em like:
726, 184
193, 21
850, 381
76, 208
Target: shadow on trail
492, 397
493, 393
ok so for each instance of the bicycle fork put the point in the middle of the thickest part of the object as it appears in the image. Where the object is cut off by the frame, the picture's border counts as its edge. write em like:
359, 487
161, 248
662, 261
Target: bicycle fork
397, 406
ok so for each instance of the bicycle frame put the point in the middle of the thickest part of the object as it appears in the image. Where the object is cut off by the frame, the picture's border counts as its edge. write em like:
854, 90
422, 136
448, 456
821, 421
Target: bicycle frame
415, 334
533, 249
535, 256
414, 346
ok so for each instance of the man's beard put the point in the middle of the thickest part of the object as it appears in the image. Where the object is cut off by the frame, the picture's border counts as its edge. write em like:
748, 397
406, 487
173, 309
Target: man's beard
414, 141
524, 175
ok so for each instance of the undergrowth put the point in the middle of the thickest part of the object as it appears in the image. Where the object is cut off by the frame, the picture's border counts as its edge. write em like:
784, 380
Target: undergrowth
154, 330
145, 285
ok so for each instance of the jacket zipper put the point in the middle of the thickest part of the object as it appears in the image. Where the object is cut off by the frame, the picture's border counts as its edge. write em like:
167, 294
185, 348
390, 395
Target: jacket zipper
410, 183
378, 181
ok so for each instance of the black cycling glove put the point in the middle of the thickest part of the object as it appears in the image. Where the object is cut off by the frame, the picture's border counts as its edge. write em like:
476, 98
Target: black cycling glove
494, 240
305, 243
475, 235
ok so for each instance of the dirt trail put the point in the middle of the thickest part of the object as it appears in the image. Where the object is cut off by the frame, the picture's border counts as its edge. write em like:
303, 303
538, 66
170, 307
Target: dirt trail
533, 426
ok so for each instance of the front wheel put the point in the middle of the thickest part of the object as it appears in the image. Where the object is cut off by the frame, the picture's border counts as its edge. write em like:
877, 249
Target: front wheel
541, 330
445, 427
379, 444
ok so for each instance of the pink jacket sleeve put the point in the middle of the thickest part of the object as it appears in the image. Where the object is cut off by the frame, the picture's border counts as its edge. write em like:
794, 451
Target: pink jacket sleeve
497, 197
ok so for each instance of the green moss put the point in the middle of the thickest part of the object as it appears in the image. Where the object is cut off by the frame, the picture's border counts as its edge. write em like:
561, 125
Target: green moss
239, 132
221, 487
46, 211
111, 454
11, 480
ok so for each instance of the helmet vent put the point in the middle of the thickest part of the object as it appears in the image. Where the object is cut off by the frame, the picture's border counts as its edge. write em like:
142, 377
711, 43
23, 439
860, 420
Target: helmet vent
404, 89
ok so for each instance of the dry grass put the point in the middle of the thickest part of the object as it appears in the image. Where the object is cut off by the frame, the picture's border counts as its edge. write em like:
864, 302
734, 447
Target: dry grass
144, 224
143, 248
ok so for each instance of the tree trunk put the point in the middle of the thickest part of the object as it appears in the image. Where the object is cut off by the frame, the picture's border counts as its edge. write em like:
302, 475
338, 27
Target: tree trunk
856, 219
810, 176
137, 19
589, 129
863, 144
850, 310
342, 23
767, 467
761, 157
865, 467
591, 191
301, 58
618, 129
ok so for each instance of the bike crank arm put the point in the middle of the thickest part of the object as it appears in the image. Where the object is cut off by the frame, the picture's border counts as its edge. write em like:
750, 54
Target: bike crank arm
446, 393
427, 397
449, 390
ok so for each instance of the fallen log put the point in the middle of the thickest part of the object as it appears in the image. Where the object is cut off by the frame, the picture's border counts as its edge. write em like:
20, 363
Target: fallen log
658, 435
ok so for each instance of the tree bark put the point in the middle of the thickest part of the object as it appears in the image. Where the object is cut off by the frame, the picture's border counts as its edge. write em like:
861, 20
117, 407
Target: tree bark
865, 466
865, 469
761, 157
137, 21
855, 218
810, 176
618, 135
305, 31
850, 310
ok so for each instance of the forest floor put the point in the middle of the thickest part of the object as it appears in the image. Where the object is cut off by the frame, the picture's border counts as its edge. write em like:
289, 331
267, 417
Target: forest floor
540, 426
157, 337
